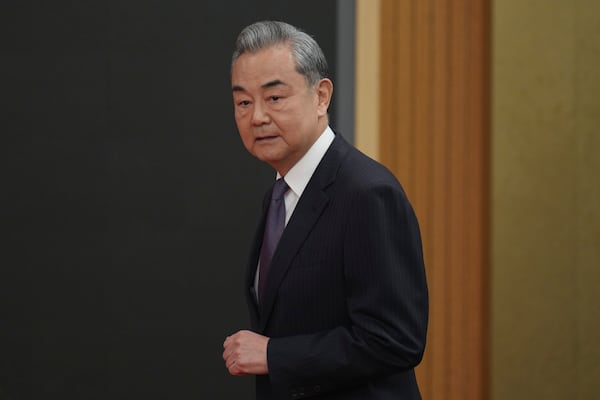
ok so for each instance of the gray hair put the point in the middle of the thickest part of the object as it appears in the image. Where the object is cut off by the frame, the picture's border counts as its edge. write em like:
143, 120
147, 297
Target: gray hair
308, 56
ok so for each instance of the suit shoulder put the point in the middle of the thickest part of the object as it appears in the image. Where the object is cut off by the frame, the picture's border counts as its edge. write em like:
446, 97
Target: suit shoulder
359, 170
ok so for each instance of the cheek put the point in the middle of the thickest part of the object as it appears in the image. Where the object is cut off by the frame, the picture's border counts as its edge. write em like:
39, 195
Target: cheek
241, 121
244, 131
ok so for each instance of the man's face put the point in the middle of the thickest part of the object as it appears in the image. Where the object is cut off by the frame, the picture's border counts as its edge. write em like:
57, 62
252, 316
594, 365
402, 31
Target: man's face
278, 116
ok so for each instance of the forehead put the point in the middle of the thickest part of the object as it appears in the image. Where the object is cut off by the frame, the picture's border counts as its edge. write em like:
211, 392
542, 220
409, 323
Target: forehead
271, 63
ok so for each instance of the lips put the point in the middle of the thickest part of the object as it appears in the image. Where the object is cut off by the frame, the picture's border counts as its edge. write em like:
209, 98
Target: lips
266, 138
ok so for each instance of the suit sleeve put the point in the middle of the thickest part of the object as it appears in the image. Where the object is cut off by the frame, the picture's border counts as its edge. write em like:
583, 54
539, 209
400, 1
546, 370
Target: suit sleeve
386, 297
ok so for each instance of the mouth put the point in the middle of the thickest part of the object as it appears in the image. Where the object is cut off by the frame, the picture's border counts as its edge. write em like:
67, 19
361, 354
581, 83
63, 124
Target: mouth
266, 138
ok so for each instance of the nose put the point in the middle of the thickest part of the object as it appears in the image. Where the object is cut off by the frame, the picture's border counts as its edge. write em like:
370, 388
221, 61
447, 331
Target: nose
260, 116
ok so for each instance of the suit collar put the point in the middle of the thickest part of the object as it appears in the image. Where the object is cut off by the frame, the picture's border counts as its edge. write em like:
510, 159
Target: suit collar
299, 175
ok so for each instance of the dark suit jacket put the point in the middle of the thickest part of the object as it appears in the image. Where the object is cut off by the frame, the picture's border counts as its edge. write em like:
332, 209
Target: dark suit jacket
346, 305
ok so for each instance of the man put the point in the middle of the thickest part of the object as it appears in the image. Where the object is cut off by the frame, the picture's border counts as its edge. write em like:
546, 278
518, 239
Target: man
339, 309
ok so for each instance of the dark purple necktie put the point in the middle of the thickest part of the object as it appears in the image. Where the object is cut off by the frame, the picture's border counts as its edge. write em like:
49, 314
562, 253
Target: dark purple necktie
274, 226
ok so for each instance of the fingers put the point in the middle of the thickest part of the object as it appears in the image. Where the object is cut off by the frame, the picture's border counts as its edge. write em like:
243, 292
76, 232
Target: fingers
245, 352
231, 354
233, 368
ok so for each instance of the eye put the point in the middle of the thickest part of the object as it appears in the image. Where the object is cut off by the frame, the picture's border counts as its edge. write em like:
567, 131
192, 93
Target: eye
244, 103
275, 98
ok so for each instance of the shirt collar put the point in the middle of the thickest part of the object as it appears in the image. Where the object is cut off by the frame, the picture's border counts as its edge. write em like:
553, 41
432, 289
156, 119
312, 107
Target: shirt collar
298, 176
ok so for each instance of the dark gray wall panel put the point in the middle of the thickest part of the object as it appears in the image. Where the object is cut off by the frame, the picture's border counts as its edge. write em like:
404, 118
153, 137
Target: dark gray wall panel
127, 202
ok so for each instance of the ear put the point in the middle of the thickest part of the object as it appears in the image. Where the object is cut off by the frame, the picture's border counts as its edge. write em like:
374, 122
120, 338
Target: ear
324, 89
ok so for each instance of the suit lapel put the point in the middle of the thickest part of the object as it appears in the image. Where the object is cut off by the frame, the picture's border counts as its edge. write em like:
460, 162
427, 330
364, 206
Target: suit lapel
307, 212
253, 264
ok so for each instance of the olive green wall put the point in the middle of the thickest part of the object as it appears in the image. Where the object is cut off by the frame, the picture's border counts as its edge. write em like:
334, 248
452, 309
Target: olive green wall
546, 200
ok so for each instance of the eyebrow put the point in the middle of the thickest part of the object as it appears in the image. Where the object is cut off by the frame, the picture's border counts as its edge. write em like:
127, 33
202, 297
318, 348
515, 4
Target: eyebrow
270, 84
273, 83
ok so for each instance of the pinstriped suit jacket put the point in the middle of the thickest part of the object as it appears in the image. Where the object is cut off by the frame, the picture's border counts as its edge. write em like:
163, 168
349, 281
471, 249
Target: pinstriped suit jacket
346, 305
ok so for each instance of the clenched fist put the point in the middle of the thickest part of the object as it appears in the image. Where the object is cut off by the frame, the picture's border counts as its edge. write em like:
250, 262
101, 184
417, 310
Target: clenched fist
245, 353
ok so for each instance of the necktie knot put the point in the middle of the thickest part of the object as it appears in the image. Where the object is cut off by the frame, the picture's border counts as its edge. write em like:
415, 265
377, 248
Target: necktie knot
279, 189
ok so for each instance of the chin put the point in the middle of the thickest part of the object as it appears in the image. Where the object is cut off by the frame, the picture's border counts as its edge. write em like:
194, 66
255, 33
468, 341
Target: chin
274, 162
263, 157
